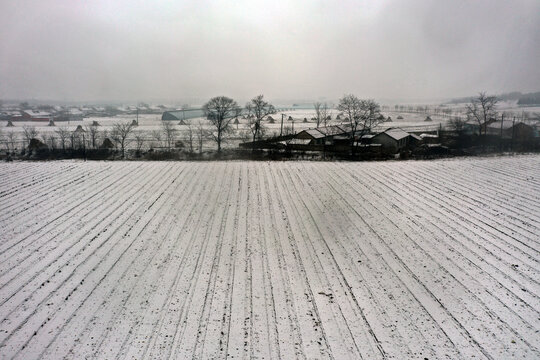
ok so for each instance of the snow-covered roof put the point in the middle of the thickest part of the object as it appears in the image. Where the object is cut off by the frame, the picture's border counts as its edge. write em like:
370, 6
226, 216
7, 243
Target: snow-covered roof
316, 134
324, 131
299, 141
359, 144
37, 113
428, 136
396, 133
331, 130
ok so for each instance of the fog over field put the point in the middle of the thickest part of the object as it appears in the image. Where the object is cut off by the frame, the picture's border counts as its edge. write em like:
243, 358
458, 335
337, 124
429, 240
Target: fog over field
193, 50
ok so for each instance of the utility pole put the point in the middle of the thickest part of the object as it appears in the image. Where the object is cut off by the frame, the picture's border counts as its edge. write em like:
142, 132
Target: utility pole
281, 131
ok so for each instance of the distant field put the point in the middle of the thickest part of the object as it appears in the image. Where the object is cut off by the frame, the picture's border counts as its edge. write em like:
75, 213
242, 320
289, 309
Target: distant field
283, 260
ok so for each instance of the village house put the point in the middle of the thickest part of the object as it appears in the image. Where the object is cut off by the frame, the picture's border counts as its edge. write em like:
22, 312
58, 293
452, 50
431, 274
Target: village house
323, 135
392, 140
510, 130
35, 115
311, 137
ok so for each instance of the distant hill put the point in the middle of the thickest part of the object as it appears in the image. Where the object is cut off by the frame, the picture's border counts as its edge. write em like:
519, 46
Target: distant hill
522, 99
530, 99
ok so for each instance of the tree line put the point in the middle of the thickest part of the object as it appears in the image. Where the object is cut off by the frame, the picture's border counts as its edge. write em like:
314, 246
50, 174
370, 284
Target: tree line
361, 116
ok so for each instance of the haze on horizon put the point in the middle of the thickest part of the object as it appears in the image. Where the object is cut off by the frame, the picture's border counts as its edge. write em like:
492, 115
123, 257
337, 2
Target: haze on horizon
141, 50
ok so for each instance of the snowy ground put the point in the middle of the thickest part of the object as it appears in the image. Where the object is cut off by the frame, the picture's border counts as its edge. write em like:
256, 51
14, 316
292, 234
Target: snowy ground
128, 260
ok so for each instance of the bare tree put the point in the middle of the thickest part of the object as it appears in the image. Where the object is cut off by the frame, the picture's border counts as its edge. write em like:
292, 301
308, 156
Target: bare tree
221, 110
11, 140
457, 124
73, 140
63, 135
50, 140
170, 133
318, 116
139, 141
4, 140
157, 136
29, 133
120, 134
93, 134
260, 109
190, 137
363, 116
481, 109
200, 136
321, 113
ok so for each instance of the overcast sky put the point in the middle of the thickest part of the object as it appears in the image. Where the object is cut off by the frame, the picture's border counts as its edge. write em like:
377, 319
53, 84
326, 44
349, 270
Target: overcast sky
84, 50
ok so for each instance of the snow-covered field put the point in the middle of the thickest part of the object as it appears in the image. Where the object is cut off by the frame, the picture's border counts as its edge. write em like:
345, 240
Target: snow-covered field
131, 260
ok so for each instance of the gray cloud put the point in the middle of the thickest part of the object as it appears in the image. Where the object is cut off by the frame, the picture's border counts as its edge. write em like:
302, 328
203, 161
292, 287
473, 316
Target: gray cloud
135, 50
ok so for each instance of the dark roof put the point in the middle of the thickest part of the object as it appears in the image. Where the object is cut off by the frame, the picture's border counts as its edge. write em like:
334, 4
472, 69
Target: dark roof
505, 124
331, 130
182, 114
